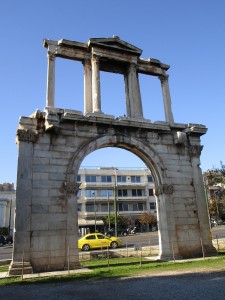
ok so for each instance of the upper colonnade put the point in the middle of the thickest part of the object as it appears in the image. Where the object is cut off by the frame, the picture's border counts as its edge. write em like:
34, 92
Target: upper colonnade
110, 55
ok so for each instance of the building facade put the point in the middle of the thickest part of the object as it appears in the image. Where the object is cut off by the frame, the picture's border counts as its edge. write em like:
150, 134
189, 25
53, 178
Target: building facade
105, 191
7, 206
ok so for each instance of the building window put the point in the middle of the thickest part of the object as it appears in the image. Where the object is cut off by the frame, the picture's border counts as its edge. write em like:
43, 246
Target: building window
91, 237
105, 208
152, 205
121, 178
79, 193
134, 207
78, 178
91, 193
123, 207
90, 178
136, 179
122, 193
105, 193
137, 192
141, 206
106, 178
79, 207
90, 207
150, 179
150, 192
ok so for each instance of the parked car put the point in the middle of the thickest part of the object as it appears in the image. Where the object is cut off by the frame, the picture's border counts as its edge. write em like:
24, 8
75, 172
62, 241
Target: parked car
97, 240
112, 232
2, 240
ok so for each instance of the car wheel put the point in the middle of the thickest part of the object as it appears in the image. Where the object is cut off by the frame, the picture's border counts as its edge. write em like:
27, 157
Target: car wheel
114, 245
86, 247
125, 233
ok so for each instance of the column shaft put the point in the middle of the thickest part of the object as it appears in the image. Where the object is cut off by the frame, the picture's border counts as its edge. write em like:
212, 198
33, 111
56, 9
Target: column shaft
166, 98
96, 97
87, 86
134, 96
50, 93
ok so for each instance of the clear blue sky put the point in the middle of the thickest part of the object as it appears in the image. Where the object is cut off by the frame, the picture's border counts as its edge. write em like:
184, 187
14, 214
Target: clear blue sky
187, 35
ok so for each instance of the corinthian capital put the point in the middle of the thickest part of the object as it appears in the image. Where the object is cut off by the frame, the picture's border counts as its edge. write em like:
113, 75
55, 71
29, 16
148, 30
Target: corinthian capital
51, 56
26, 136
195, 150
163, 78
70, 188
164, 189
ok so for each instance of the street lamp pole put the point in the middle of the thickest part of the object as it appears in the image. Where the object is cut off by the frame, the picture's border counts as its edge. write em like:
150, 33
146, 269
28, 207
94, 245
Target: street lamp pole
93, 193
10, 208
115, 204
108, 210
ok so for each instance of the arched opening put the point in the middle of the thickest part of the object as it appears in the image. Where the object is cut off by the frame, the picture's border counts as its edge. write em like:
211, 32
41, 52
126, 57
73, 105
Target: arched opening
150, 168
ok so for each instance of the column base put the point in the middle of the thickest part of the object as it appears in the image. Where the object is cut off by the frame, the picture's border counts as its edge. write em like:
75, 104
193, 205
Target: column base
19, 268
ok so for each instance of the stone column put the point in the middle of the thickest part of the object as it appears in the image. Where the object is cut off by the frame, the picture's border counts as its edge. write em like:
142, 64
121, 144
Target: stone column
50, 92
87, 86
166, 98
128, 105
96, 96
133, 96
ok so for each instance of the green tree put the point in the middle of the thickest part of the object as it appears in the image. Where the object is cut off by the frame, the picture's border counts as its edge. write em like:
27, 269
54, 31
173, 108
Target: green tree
121, 221
215, 184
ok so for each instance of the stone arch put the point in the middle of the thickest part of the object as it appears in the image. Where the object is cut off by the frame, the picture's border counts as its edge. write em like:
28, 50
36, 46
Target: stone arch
137, 147
157, 167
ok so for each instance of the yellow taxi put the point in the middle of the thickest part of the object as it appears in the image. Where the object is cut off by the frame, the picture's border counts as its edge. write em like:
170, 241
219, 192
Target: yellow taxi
98, 240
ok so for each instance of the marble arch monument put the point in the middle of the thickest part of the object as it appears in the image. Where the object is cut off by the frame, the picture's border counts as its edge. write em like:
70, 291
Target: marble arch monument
52, 144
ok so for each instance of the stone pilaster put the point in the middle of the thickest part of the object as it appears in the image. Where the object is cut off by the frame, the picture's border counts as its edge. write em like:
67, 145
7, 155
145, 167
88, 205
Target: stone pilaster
166, 98
203, 214
21, 252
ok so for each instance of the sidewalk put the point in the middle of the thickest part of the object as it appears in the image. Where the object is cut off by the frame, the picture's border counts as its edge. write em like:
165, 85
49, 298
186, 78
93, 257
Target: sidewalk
46, 274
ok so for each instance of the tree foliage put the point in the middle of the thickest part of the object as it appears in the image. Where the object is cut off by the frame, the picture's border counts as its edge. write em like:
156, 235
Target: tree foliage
147, 219
121, 221
216, 208
215, 183
215, 176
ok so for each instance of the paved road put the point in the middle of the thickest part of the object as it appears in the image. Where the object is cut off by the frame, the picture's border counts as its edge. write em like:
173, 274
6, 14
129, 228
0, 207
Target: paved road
145, 239
198, 286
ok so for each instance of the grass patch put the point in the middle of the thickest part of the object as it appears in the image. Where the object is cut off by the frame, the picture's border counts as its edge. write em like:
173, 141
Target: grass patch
4, 268
122, 267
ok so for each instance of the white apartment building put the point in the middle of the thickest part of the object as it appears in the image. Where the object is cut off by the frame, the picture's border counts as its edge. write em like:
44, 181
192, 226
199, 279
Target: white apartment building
7, 206
132, 189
